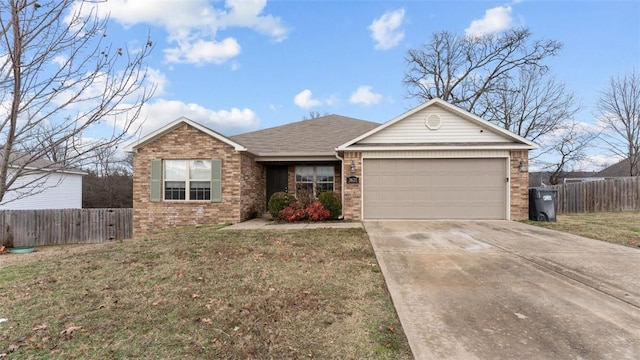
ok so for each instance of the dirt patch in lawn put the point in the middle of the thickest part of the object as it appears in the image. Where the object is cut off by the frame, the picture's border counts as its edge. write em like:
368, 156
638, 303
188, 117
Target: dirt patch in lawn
621, 228
201, 293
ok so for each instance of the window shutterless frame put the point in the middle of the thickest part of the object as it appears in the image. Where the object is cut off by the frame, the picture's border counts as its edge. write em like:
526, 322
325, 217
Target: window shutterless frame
315, 178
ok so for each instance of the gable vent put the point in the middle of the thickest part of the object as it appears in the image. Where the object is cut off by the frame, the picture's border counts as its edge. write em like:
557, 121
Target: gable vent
433, 122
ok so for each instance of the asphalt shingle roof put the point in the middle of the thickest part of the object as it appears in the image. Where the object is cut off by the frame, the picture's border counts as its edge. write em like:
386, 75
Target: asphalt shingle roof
20, 158
619, 169
315, 136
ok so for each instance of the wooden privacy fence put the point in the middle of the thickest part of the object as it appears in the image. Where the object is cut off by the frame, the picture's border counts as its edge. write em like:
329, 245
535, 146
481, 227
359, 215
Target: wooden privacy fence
65, 226
616, 194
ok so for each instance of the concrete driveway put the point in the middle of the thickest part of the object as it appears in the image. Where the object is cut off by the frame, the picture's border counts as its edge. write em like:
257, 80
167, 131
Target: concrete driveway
506, 290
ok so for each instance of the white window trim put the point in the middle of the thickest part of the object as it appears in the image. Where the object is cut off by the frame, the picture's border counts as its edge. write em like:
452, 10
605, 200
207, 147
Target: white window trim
315, 181
187, 181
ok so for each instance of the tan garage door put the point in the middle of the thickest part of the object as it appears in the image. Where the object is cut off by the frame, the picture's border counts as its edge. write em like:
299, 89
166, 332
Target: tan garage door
434, 189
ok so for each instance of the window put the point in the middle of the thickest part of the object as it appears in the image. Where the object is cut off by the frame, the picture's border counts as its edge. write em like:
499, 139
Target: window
314, 179
180, 175
324, 179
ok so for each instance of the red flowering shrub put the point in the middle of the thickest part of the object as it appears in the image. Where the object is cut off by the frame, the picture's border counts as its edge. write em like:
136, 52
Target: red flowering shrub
292, 213
295, 212
317, 212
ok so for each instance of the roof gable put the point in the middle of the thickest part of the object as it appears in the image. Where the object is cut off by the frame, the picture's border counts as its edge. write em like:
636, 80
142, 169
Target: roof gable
438, 123
174, 125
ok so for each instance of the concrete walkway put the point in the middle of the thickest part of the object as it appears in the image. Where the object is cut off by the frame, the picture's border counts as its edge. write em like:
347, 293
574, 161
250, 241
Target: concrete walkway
265, 223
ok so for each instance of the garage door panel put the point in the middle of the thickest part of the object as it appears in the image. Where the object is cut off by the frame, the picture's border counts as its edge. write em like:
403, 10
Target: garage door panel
434, 189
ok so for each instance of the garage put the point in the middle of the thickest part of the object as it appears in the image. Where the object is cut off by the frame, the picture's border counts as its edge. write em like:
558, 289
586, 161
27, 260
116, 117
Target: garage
436, 161
459, 188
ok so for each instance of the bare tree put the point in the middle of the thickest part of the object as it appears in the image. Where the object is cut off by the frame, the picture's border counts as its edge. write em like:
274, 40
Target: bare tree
315, 114
461, 69
568, 148
619, 108
503, 79
531, 104
109, 183
109, 161
60, 84
47, 138
537, 107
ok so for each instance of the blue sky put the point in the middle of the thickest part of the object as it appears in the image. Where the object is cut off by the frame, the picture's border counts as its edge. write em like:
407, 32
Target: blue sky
237, 65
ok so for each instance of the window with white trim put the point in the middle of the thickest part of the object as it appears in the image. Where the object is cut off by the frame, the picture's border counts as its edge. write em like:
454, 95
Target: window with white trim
187, 179
314, 179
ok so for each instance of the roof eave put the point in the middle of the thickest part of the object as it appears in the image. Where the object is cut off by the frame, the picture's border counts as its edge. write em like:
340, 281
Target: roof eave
296, 156
437, 147
64, 171
131, 147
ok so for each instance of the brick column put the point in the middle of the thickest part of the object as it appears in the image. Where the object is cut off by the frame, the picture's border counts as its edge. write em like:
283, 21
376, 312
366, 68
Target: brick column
519, 185
352, 192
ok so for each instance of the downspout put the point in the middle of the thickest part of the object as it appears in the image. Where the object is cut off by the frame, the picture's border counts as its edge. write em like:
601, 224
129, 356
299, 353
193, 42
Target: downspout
343, 183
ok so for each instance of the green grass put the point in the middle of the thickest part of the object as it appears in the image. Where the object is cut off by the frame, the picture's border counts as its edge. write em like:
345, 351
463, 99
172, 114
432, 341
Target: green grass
621, 228
202, 293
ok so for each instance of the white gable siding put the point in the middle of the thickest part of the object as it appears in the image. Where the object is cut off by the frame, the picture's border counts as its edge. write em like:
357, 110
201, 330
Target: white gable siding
454, 129
61, 191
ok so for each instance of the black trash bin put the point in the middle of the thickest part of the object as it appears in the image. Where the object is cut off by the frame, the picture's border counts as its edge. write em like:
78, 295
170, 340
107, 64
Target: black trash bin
542, 204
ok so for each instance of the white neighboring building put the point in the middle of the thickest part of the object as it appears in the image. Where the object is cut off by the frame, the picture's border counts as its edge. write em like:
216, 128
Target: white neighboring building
45, 189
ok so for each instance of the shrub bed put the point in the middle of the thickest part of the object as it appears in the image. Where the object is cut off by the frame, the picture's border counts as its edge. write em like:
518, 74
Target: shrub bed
296, 212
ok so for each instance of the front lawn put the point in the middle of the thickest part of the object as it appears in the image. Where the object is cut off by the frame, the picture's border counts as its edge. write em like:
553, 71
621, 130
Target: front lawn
621, 228
202, 293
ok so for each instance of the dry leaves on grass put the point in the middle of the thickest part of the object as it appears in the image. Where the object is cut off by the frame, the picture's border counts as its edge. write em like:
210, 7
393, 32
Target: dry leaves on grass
40, 327
308, 292
70, 330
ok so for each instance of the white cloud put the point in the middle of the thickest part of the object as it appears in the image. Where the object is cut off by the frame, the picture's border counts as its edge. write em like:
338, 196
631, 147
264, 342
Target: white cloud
386, 29
158, 79
365, 96
275, 107
247, 13
201, 52
305, 100
495, 20
193, 25
81, 97
232, 121
332, 100
60, 60
596, 162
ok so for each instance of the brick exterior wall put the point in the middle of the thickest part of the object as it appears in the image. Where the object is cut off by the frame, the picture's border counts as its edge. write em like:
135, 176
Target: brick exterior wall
240, 191
253, 189
519, 183
351, 206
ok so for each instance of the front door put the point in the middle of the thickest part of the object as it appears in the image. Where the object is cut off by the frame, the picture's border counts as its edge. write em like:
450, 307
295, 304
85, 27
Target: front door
277, 180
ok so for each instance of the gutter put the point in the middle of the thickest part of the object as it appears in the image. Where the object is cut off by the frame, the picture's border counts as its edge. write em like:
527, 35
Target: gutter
343, 184
51, 170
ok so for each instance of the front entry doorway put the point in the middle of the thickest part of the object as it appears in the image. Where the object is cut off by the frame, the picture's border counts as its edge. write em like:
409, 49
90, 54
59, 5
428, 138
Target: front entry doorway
277, 180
